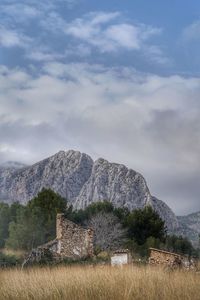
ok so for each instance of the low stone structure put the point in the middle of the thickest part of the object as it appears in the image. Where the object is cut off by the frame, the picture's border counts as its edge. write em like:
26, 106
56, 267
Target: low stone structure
121, 257
72, 241
170, 259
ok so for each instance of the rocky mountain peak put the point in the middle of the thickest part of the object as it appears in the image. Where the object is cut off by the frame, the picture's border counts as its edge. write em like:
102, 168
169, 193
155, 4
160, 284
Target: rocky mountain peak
79, 179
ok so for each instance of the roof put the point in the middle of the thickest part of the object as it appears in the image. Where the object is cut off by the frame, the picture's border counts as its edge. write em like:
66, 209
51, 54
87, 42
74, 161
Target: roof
119, 251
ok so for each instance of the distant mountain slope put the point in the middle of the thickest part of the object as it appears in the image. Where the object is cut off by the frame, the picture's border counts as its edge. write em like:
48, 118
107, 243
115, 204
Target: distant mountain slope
81, 181
190, 226
166, 214
13, 165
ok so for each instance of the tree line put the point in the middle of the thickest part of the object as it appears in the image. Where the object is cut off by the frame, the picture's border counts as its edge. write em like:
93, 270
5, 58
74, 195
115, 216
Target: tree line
26, 226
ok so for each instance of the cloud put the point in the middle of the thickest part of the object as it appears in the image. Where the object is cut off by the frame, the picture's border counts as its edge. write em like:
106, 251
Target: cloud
94, 33
124, 35
148, 122
11, 38
192, 32
14, 16
98, 30
156, 54
32, 8
78, 50
41, 54
19, 12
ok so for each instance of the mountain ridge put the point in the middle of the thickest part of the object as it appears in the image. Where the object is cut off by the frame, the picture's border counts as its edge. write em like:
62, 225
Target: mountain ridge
189, 225
81, 180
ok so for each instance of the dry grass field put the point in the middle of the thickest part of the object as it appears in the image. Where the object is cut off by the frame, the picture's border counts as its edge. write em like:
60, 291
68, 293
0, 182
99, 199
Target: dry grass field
94, 283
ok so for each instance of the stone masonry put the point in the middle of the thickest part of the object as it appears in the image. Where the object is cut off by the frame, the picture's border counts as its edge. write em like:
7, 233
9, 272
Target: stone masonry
170, 259
72, 241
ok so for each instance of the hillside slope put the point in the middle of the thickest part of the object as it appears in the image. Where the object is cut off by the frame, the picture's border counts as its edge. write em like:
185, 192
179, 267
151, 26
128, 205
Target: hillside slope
190, 226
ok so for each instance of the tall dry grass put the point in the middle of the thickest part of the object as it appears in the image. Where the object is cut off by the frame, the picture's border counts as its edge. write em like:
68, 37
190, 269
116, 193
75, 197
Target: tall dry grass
94, 283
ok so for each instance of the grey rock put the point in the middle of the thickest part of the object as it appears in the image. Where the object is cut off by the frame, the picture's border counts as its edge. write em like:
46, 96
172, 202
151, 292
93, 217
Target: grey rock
76, 177
189, 226
166, 214
116, 183
13, 165
64, 172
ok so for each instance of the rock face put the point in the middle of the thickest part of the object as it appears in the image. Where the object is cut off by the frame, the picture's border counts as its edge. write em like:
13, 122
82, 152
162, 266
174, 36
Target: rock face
116, 183
65, 173
189, 226
81, 181
166, 214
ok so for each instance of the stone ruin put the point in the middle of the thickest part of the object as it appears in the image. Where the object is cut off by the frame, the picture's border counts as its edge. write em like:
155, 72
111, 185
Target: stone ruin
171, 260
72, 241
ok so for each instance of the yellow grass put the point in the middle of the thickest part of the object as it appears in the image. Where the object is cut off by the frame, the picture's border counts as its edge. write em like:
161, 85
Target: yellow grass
11, 252
94, 283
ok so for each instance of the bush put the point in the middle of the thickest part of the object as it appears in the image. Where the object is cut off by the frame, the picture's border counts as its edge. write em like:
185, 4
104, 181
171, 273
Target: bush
9, 260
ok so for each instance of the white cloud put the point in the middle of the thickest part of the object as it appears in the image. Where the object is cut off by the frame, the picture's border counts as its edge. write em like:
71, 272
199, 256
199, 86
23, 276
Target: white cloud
97, 18
80, 50
105, 32
11, 38
5, 148
150, 123
20, 12
156, 54
43, 56
124, 35
192, 32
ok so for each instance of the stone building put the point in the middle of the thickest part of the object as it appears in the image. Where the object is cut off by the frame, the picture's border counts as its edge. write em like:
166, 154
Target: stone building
72, 241
121, 257
170, 259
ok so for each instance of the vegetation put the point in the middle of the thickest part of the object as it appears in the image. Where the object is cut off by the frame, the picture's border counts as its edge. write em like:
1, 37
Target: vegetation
100, 283
139, 229
26, 227
9, 260
8, 214
145, 223
108, 231
179, 244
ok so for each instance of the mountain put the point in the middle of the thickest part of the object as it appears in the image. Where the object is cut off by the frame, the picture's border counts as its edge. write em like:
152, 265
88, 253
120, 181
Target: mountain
12, 165
190, 226
80, 180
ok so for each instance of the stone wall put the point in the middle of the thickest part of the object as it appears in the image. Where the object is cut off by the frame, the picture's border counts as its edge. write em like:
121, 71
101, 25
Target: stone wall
74, 241
160, 257
172, 260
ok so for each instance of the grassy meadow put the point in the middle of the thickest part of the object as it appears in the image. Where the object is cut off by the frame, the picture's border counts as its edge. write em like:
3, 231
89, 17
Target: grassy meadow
99, 282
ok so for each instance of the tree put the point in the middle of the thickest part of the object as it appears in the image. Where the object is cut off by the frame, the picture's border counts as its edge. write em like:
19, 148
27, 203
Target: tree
4, 223
45, 206
145, 223
36, 223
108, 232
179, 244
27, 231
82, 215
96, 207
7, 215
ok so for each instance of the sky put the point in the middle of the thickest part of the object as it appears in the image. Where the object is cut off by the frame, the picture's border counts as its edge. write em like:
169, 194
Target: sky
114, 79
